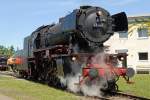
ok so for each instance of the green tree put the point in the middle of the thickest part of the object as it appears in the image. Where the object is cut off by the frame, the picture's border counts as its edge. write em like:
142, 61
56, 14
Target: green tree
7, 51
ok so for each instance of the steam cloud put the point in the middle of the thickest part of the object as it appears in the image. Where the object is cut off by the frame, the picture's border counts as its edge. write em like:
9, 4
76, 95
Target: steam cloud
88, 90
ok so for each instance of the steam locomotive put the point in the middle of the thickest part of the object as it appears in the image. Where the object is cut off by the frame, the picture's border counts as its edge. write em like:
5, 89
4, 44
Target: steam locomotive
54, 52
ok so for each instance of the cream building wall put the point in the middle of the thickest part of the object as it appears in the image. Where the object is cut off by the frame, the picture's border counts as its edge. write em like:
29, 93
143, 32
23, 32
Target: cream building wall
133, 45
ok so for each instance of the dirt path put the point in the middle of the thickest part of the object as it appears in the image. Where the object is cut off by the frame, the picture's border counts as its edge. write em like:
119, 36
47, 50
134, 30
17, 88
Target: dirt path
3, 97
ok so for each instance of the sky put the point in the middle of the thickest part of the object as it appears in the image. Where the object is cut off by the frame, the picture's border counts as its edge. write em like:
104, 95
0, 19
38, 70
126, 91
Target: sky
19, 18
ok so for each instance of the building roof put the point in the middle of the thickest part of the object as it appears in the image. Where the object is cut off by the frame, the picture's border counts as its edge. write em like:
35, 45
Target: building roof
141, 18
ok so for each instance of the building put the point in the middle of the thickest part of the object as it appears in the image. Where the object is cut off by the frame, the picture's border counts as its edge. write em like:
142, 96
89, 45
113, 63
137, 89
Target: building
135, 42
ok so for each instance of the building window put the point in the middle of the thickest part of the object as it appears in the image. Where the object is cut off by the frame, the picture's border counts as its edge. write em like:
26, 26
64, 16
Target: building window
121, 51
142, 32
123, 35
143, 56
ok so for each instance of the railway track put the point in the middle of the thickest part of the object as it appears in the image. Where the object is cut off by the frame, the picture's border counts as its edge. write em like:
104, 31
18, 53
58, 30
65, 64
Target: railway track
113, 96
7, 73
130, 96
119, 96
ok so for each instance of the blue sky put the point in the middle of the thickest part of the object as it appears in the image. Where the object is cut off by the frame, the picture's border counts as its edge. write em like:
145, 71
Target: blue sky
19, 18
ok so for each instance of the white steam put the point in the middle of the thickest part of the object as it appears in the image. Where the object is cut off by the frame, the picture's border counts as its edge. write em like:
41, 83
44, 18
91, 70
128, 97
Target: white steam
72, 83
93, 90
88, 90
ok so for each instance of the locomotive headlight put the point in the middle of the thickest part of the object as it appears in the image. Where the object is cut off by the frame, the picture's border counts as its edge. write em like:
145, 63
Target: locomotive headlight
74, 58
121, 58
99, 13
93, 73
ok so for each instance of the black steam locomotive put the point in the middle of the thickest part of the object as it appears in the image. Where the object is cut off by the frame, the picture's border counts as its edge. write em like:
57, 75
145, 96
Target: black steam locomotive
56, 51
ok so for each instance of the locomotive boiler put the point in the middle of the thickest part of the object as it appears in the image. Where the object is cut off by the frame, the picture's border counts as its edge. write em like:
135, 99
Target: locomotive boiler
54, 52
88, 27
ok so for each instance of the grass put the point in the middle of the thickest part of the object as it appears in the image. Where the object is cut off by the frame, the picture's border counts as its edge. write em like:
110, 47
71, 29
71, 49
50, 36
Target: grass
141, 86
20, 89
26, 90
